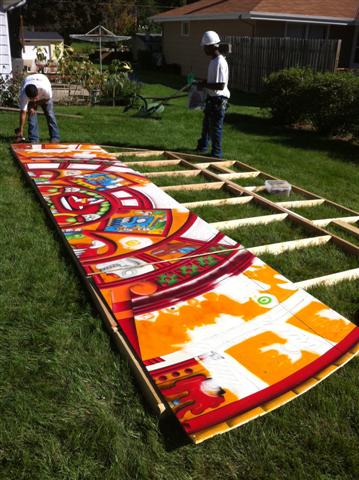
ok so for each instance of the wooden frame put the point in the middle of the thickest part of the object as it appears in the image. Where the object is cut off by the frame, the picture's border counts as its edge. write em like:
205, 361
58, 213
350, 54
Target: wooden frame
221, 174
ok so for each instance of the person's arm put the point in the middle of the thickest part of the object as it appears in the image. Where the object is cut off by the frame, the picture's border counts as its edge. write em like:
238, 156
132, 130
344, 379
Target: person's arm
23, 104
22, 123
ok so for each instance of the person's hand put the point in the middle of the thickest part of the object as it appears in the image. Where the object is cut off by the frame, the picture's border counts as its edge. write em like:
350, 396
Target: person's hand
32, 111
19, 136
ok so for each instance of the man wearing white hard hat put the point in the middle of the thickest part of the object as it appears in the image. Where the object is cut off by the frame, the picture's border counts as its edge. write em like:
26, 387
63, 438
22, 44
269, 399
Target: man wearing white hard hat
217, 96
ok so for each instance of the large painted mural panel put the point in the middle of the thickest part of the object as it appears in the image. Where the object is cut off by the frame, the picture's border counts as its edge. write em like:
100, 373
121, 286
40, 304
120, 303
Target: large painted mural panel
223, 337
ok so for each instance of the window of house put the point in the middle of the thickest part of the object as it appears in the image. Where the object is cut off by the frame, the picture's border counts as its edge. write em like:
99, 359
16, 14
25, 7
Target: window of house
185, 29
296, 30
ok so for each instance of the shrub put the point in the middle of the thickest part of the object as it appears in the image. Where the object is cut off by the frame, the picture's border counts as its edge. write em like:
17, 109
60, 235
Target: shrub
327, 101
285, 93
9, 90
117, 87
334, 102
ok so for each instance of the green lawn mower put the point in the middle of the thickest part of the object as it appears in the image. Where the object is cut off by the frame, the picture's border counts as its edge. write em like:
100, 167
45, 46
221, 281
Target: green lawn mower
145, 109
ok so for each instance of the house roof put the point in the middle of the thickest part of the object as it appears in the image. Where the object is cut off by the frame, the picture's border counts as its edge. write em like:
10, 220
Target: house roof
43, 36
318, 11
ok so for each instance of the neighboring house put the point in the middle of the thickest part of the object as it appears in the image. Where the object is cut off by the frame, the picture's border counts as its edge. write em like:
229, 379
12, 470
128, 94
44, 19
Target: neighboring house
5, 51
183, 27
45, 42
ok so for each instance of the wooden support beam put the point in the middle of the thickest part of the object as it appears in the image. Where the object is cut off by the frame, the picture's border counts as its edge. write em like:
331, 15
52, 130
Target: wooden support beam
301, 203
218, 202
233, 176
278, 248
207, 164
194, 186
240, 222
331, 279
134, 153
326, 221
153, 163
252, 188
351, 228
148, 389
58, 114
292, 216
175, 173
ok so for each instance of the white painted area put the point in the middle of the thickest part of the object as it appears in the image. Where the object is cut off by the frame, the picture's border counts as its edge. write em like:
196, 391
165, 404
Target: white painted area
209, 344
120, 194
227, 373
159, 198
119, 169
34, 166
84, 166
130, 203
200, 230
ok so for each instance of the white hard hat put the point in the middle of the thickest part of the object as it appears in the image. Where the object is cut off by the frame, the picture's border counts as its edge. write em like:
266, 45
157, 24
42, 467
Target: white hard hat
210, 38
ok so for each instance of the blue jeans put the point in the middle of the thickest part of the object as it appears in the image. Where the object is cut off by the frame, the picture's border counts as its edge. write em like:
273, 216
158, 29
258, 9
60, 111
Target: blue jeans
212, 126
48, 108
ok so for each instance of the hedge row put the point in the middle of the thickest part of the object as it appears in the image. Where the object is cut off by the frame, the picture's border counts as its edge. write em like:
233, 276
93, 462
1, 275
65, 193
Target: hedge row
328, 101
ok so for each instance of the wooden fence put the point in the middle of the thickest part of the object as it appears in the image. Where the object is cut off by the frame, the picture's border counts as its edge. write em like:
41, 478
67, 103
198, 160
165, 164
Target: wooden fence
254, 58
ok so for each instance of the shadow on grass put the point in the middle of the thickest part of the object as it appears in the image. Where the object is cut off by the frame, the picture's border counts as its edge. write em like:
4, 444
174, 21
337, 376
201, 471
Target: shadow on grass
305, 140
7, 139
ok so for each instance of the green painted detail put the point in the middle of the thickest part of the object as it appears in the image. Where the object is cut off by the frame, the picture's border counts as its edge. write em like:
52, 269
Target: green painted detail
264, 300
191, 269
209, 260
169, 280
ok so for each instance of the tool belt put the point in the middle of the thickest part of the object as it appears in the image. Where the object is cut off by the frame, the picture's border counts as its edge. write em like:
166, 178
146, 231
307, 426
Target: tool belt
216, 103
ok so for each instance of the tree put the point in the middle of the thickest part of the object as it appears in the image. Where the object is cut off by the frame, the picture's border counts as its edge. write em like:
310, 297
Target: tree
79, 16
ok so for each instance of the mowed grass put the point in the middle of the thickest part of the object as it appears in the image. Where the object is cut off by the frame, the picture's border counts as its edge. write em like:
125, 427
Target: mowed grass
311, 262
70, 408
231, 212
184, 196
255, 235
321, 211
172, 180
343, 233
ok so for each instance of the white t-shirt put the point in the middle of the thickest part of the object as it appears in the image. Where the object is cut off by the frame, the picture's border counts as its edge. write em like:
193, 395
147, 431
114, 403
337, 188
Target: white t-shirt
218, 73
43, 85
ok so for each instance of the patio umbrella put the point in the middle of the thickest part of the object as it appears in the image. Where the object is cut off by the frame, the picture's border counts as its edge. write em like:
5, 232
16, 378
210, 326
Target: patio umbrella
99, 35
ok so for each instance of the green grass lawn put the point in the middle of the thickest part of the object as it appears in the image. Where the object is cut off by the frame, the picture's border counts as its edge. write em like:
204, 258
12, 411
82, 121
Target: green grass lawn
70, 408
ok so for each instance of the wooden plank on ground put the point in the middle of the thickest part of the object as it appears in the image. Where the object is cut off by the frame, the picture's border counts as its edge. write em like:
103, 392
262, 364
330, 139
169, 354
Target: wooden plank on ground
233, 176
134, 153
218, 202
174, 173
347, 226
58, 114
239, 222
301, 203
194, 186
331, 279
153, 163
224, 164
277, 248
149, 390
326, 221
